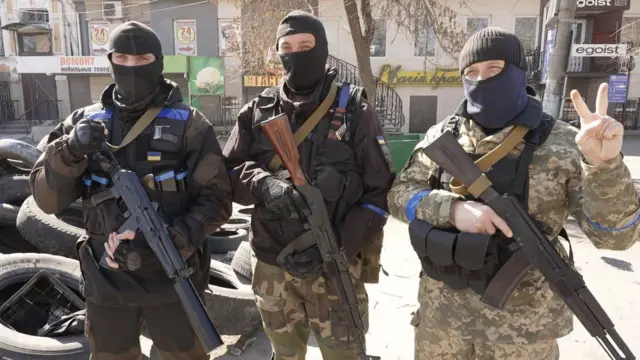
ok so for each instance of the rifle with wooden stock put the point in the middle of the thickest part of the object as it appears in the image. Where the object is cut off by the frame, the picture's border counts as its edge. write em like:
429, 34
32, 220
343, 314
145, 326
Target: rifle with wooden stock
563, 278
320, 231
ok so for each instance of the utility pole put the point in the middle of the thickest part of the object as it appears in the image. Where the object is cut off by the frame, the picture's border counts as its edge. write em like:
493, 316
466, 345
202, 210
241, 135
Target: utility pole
559, 58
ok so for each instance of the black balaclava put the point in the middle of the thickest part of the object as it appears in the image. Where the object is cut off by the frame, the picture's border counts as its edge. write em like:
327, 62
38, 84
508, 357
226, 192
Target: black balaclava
496, 102
304, 69
136, 83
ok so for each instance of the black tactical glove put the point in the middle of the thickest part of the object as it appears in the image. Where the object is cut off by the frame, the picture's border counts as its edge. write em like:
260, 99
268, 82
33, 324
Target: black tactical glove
282, 198
86, 137
305, 264
129, 255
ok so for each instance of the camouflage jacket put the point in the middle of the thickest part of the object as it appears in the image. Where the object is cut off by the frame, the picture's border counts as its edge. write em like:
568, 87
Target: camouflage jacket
601, 198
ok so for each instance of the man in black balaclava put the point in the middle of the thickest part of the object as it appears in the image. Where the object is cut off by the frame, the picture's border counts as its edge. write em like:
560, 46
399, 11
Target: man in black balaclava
178, 158
345, 156
464, 247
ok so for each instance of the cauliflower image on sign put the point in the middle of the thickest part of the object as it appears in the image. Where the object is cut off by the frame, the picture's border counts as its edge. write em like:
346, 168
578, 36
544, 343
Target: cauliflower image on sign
208, 79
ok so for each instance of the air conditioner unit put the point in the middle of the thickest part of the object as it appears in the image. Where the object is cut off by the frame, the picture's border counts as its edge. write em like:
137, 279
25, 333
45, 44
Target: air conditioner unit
112, 9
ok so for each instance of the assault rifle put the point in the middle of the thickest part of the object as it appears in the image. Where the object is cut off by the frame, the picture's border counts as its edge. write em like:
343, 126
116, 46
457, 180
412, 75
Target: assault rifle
563, 278
143, 215
320, 231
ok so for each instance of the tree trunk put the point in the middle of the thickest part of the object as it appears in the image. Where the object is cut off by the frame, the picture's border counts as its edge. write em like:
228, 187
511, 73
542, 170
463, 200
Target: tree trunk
363, 54
553, 93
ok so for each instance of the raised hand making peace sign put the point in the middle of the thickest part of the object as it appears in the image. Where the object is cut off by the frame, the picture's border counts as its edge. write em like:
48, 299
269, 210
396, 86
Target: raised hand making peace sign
600, 136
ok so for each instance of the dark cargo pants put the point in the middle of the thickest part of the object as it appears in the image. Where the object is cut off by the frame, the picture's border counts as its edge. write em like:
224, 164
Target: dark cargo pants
114, 332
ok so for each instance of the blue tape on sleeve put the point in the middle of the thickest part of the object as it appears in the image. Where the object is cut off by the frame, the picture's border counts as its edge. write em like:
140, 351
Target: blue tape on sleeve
376, 209
607, 229
412, 204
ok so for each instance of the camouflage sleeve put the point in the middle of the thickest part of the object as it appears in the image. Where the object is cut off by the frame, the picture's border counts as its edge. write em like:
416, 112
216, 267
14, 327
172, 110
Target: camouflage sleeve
364, 222
604, 202
209, 183
55, 177
412, 195
244, 171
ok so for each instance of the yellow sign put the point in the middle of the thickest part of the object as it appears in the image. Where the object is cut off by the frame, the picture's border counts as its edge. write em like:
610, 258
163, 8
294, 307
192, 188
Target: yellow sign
395, 76
186, 34
261, 80
100, 34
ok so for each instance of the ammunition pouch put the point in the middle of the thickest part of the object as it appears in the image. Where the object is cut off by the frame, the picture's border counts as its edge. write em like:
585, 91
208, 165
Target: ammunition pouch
458, 259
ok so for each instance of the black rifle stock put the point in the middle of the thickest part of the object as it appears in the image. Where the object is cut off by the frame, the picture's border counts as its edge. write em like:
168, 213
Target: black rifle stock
321, 233
563, 278
142, 215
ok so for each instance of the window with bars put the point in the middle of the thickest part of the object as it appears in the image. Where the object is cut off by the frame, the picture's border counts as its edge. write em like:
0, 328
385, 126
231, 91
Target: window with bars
475, 24
34, 15
378, 46
425, 40
630, 32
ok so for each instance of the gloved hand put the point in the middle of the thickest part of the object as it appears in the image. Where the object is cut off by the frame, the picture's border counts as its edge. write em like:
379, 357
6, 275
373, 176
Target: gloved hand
282, 198
86, 137
305, 264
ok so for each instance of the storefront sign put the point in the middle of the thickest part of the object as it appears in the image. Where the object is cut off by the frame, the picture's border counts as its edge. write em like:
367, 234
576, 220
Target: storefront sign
601, 50
395, 76
99, 32
261, 80
603, 5
83, 64
186, 42
618, 88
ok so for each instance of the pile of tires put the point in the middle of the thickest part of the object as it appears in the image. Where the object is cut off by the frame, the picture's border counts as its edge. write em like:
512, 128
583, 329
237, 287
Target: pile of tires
31, 241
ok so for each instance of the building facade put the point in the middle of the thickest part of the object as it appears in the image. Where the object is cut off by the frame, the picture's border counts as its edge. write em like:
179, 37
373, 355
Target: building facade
421, 72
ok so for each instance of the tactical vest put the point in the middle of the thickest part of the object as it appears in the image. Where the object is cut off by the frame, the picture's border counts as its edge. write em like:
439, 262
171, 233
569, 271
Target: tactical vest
158, 159
465, 260
334, 168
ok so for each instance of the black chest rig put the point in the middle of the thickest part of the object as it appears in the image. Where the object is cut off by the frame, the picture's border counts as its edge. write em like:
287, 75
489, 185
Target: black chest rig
326, 155
465, 260
157, 157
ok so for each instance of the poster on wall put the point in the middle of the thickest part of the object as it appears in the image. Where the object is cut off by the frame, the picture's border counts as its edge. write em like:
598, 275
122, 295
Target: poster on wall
206, 78
618, 88
229, 37
99, 32
548, 46
185, 42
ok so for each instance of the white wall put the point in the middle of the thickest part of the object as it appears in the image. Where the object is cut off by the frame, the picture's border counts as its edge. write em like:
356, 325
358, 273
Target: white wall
400, 48
227, 10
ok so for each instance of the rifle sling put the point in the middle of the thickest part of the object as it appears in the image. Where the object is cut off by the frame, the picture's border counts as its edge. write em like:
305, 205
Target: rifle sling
489, 159
145, 120
308, 125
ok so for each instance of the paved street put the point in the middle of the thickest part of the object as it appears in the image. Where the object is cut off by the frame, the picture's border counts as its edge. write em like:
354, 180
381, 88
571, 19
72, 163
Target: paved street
611, 276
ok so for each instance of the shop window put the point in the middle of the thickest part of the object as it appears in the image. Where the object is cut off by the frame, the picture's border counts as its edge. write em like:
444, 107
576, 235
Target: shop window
423, 112
425, 44
526, 29
630, 32
378, 46
34, 44
475, 24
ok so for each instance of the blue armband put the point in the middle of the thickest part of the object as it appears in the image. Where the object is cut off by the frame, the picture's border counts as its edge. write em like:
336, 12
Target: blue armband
377, 210
604, 228
412, 204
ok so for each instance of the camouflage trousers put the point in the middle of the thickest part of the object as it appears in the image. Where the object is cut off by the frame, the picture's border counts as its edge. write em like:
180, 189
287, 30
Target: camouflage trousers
432, 342
114, 332
291, 308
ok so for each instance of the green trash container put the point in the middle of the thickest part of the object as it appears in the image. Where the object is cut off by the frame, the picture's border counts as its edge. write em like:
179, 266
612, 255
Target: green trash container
401, 147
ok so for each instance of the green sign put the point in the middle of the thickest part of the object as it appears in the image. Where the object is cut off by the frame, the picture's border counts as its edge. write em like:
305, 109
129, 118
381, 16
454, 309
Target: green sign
206, 75
175, 64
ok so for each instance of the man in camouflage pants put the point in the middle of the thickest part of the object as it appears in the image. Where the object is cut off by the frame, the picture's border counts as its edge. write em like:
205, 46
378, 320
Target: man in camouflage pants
576, 172
346, 157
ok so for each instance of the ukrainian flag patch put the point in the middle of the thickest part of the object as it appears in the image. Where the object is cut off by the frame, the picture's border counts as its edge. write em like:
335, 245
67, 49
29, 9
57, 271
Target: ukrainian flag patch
380, 140
154, 156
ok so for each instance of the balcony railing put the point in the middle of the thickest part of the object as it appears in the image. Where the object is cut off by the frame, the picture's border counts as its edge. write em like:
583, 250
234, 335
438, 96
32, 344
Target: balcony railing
605, 65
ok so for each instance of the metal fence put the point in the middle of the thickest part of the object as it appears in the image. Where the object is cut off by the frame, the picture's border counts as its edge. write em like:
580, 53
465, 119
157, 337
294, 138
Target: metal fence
226, 114
627, 113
